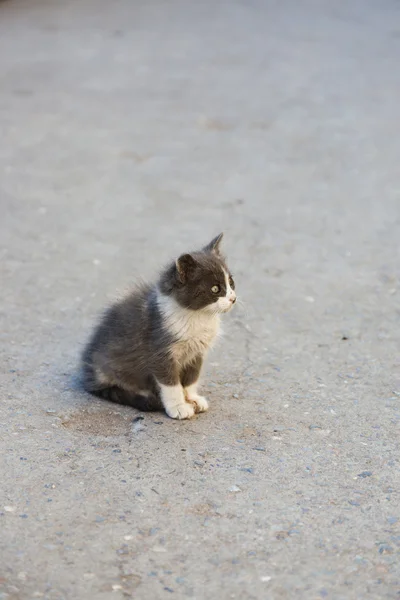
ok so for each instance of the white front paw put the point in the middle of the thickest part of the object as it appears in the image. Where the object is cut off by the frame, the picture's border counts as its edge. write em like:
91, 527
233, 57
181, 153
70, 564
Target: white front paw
200, 403
181, 411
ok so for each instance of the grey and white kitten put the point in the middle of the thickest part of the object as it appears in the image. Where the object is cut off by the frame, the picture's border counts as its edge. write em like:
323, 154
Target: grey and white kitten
149, 348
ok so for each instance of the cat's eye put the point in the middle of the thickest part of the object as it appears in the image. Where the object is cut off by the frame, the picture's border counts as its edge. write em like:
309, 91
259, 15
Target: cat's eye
215, 289
231, 282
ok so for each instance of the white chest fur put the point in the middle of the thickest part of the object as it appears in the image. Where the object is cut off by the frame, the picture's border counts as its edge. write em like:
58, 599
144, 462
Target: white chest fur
194, 331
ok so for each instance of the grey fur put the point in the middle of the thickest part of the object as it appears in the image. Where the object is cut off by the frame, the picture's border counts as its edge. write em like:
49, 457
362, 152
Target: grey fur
132, 347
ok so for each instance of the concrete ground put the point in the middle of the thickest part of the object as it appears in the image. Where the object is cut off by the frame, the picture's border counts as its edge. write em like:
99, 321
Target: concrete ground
132, 131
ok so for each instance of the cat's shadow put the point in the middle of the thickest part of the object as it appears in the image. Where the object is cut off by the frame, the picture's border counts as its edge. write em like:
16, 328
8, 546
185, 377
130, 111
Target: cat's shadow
97, 417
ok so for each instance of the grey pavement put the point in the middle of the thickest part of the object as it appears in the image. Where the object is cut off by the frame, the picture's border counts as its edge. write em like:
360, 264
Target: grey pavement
132, 131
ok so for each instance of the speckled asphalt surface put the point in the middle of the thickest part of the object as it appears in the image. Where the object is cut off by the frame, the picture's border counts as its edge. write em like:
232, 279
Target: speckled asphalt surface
131, 132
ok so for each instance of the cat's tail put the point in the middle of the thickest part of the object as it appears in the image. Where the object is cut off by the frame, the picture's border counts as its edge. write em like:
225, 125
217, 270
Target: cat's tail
144, 402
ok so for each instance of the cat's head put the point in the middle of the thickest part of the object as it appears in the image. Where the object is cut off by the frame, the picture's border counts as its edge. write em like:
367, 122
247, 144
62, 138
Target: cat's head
201, 280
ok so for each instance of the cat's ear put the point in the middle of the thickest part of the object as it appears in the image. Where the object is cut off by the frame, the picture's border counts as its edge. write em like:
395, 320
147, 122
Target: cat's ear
185, 266
214, 245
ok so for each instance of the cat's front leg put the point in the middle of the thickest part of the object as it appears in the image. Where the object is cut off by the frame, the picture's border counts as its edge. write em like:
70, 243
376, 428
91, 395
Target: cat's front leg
190, 381
173, 397
192, 397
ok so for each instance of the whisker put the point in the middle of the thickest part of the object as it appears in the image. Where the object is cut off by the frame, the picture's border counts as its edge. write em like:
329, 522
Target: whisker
242, 306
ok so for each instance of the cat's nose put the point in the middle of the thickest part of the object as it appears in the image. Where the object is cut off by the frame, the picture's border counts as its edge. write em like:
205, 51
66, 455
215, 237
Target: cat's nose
233, 300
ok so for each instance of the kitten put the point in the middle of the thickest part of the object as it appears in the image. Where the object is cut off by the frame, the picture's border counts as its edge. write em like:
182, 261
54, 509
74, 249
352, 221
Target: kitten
149, 348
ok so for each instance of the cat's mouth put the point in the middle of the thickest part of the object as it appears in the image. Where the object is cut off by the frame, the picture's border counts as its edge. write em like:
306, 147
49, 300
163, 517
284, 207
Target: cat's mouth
227, 308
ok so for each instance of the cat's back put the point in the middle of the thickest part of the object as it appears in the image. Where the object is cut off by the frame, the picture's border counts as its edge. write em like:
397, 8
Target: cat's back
119, 346
124, 319
132, 313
